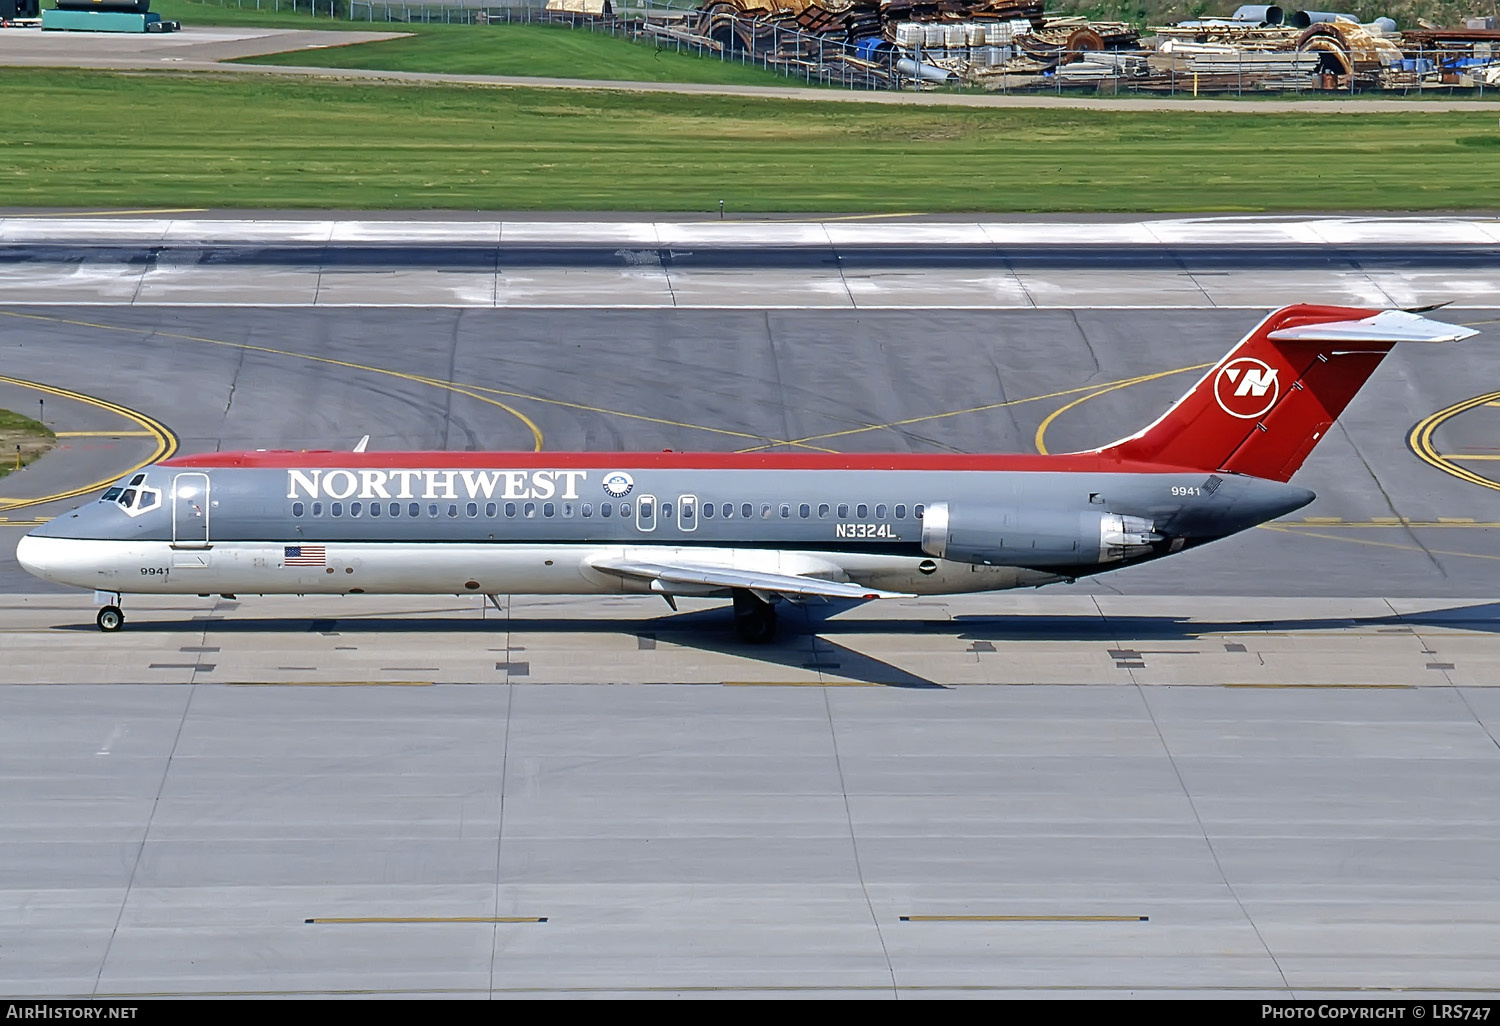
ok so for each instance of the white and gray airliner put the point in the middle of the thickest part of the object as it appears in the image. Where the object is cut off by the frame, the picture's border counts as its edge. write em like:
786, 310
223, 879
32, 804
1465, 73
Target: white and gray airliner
757, 528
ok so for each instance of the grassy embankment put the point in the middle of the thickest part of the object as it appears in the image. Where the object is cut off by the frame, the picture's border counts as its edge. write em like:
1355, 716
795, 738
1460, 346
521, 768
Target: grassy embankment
34, 439
227, 141
545, 51
538, 51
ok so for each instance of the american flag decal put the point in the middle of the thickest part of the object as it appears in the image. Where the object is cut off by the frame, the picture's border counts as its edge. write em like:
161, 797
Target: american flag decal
305, 555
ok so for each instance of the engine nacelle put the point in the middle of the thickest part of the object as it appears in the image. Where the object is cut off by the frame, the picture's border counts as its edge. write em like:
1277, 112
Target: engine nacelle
999, 536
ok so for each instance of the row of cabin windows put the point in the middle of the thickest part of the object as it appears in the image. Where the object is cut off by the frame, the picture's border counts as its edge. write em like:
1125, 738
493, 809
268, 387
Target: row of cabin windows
435, 510
568, 510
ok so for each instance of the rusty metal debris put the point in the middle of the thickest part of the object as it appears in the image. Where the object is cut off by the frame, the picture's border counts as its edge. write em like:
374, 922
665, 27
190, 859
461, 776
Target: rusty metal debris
1010, 45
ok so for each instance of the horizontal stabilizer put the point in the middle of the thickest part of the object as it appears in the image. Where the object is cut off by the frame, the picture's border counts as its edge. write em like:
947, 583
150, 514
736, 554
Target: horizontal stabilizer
1262, 409
665, 575
1386, 326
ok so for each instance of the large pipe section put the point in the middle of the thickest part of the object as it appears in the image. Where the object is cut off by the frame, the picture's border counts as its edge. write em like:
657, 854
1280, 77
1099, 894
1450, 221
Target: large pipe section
926, 72
1261, 14
1302, 19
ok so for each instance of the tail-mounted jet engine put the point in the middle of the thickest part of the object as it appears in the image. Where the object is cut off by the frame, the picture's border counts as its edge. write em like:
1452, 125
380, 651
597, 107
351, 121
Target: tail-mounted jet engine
996, 536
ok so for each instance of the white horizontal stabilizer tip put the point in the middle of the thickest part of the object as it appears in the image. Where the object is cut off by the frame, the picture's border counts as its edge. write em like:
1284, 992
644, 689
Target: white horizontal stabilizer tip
1386, 326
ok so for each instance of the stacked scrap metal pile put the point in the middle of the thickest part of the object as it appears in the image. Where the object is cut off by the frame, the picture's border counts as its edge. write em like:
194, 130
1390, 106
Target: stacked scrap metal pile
1319, 50
843, 38
1005, 44
1463, 57
1227, 54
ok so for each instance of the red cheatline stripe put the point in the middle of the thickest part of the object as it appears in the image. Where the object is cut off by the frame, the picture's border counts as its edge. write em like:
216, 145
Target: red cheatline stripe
286, 460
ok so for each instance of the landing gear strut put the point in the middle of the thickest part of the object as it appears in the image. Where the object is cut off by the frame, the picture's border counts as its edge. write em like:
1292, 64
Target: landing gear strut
110, 618
754, 618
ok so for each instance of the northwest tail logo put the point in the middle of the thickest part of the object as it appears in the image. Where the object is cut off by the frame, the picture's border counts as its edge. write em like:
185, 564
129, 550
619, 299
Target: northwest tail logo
1246, 387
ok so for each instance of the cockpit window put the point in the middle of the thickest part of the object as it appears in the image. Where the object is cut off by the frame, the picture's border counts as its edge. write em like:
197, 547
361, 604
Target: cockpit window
111, 495
150, 499
128, 499
137, 479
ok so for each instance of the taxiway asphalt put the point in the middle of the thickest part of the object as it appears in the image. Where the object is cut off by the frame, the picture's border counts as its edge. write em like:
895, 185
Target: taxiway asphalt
1264, 768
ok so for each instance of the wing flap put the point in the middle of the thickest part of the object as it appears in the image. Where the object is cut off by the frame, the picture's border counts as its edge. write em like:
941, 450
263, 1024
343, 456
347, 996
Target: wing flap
704, 576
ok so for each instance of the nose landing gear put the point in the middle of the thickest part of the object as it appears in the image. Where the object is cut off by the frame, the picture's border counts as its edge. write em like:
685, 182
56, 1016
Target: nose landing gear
110, 618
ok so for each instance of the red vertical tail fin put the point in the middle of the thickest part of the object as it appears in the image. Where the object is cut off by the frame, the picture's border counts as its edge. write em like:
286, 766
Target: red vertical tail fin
1261, 409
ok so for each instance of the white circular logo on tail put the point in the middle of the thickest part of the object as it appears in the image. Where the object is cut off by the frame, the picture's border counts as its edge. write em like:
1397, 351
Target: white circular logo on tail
1246, 388
618, 484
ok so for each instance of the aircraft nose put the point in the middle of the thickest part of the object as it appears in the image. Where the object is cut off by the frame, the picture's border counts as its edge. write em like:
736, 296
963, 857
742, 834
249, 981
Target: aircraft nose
46, 558
31, 554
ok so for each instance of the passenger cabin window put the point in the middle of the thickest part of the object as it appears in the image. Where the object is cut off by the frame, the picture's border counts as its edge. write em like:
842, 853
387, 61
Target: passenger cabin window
917, 510
414, 509
765, 511
823, 511
900, 511
666, 511
471, 510
786, 510
529, 510
646, 510
548, 509
843, 510
568, 509
356, 508
298, 509
861, 511
510, 509
375, 509
880, 511
452, 509
317, 509
395, 509
686, 509
606, 509
335, 509
728, 510
490, 509
586, 510
432, 509
804, 511
747, 511
708, 510
625, 510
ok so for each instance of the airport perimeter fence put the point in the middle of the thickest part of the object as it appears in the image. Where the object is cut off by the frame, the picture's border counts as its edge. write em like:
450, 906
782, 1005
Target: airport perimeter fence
874, 63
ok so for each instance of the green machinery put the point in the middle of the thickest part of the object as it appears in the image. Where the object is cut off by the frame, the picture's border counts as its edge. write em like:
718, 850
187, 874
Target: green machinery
105, 16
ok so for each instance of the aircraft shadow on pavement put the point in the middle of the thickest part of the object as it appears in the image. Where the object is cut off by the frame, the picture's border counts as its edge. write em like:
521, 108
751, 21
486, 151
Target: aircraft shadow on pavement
808, 634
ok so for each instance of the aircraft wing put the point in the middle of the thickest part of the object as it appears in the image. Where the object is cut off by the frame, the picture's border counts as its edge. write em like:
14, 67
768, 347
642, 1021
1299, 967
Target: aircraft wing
664, 575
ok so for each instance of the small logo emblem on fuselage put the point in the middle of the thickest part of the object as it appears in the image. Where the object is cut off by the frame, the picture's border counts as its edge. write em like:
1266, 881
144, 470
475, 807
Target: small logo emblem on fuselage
1246, 388
618, 484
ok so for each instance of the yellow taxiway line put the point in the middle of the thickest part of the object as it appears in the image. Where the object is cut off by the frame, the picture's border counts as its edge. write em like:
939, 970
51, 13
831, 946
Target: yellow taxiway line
166, 442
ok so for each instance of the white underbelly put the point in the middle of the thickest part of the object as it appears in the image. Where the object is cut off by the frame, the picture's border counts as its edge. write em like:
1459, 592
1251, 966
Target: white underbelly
448, 569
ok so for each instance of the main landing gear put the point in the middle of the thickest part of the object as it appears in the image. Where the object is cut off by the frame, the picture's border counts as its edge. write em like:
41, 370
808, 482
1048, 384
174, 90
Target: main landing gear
754, 618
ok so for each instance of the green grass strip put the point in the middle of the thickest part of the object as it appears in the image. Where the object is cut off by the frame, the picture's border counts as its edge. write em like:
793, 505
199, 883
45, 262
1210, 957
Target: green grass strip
33, 438
76, 138
538, 51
